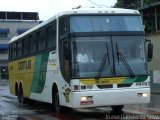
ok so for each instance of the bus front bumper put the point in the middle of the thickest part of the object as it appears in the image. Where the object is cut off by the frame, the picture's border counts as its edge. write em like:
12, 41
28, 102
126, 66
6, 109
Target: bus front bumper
88, 99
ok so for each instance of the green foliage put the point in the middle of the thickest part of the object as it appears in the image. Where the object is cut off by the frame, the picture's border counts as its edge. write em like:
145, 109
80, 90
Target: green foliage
133, 4
128, 3
147, 2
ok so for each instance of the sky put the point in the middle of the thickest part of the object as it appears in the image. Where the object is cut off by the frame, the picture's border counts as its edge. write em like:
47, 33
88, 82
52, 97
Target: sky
48, 8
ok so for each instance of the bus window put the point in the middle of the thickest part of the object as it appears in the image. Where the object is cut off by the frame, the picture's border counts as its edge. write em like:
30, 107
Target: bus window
19, 48
41, 40
25, 46
33, 43
13, 50
63, 25
92, 58
51, 36
105, 23
131, 60
67, 59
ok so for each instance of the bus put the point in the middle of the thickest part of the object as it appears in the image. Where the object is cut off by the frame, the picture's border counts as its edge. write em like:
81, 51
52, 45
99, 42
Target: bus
43, 63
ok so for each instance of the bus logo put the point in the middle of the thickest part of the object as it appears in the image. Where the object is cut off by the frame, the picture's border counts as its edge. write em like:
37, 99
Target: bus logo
66, 94
24, 65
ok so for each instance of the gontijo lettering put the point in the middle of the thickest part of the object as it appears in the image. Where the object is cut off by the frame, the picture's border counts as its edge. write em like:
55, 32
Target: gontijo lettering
24, 65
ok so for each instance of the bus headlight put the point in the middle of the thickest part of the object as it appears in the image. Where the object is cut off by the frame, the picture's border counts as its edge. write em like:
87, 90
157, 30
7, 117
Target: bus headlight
86, 100
143, 95
83, 98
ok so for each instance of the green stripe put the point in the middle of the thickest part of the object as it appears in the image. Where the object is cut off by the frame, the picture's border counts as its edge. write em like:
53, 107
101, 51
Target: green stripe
40, 70
136, 79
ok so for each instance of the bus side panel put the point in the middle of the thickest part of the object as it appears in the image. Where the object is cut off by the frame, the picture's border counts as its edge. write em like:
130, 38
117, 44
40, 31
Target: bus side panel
42, 88
31, 72
39, 77
21, 71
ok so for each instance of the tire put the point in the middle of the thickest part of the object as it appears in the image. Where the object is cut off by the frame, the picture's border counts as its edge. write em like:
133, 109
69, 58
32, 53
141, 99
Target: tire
57, 106
117, 107
16, 89
20, 95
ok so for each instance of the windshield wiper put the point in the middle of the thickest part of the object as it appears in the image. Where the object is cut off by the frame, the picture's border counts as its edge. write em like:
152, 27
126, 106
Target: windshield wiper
103, 62
120, 56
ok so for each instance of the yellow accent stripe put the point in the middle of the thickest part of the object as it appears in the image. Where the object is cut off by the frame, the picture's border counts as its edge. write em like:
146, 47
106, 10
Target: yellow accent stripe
52, 64
102, 81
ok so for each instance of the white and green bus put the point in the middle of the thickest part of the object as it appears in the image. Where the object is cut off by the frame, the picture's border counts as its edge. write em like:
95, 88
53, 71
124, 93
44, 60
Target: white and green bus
43, 62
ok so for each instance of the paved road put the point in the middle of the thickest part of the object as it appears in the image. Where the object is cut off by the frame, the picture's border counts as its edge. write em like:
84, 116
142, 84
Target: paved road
11, 110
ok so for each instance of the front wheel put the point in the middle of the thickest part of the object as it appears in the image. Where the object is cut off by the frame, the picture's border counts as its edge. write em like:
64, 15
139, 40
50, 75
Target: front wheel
117, 107
57, 106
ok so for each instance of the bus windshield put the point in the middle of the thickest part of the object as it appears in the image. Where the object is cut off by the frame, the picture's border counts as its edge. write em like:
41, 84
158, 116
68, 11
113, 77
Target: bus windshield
105, 23
94, 55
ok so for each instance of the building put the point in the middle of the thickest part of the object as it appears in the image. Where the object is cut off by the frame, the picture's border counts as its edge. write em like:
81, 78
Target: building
13, 24
151, 20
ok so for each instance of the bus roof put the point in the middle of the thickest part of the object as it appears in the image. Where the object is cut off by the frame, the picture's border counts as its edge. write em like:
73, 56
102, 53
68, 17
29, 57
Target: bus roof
78, 11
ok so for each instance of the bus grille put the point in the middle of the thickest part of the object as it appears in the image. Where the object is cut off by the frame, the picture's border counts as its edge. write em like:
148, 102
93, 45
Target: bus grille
105, 86
111, 86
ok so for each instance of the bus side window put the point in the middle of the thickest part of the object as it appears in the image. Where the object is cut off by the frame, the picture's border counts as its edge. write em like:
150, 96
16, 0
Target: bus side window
51, 36
66, 51
41, 39
33, 43
26, 46
67, 59
63, 26
10, 51
13, 50
19, 48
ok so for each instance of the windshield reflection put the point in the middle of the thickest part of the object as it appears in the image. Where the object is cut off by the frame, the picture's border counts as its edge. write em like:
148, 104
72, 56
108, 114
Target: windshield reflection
88, 56
105, 23
132, 49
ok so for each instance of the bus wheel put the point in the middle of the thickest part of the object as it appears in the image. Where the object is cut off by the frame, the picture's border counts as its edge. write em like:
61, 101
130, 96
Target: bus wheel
56, 103
20, 95
117, 107
16, 89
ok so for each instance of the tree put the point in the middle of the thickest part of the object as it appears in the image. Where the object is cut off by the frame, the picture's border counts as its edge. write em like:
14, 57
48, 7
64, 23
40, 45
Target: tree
128, 4
133, 4
147, 2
